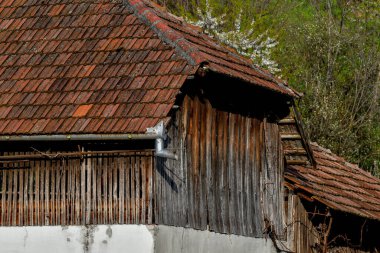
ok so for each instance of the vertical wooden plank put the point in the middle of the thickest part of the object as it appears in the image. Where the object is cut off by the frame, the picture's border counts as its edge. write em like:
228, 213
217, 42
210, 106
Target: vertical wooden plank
20, 203
215, 170
52, 191
105, 190
195, 163
150, 188
114, 189
88, 189
128, 189
232, 128
133, 195
80, 185
63, 192
58, 192
248, 177
12, 198
31, 192
99, 202
225, 192
243, 196
41, 192
47, 198
3, 197
94, 173
184, 119
77, 176
143, 188
202, 166
14, 190
121, 167
104, 167
37, 195
110, 189
137, 189
73, 170
26, 202
209, 136
219, 172
238, 175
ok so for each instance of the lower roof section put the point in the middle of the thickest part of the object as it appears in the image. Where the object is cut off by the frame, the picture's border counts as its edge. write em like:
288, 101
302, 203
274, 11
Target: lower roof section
337, 184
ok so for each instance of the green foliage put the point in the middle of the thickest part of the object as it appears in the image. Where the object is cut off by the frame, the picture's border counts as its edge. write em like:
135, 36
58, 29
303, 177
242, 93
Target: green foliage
330, 51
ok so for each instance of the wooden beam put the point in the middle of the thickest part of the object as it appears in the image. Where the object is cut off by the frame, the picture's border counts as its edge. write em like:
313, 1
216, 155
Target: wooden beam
287, 121
295, 151
291, 137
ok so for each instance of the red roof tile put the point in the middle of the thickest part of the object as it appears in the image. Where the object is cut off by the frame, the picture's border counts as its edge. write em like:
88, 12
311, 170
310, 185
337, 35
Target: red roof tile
114, 66
338, 184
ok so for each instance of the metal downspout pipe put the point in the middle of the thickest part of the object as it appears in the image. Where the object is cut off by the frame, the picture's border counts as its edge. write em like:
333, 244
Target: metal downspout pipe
156, 133
159, 131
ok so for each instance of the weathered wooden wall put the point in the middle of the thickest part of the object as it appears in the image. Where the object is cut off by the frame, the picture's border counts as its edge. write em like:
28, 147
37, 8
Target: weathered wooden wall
229, 175
302, 236
100, 189
311, 228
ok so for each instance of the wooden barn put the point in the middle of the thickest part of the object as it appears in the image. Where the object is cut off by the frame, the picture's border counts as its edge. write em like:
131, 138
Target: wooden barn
125, 129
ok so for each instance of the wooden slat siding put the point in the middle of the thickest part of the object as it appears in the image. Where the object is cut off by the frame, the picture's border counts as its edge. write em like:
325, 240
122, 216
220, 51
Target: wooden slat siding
302, 235
274, 198
78, 191
225, 171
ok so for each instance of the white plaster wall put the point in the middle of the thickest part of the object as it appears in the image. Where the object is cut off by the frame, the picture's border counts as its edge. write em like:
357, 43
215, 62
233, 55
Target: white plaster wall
125, 239
77, 239
185, 240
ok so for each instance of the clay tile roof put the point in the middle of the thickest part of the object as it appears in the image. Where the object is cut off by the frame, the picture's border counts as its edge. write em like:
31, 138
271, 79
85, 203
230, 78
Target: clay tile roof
337, 184
106, 66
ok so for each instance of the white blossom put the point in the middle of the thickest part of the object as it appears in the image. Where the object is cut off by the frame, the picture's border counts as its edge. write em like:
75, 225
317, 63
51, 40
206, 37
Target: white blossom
258, 48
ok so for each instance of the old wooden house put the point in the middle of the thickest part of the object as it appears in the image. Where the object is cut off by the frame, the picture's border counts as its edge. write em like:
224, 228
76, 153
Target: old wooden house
125, 129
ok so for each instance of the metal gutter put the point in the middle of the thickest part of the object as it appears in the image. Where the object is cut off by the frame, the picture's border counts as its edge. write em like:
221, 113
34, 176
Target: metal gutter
157, 133
79, 137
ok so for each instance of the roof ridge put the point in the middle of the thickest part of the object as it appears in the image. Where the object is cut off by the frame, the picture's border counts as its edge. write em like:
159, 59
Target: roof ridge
165, 32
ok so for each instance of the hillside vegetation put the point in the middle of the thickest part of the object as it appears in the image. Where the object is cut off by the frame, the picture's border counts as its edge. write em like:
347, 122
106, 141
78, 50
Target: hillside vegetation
328, 50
